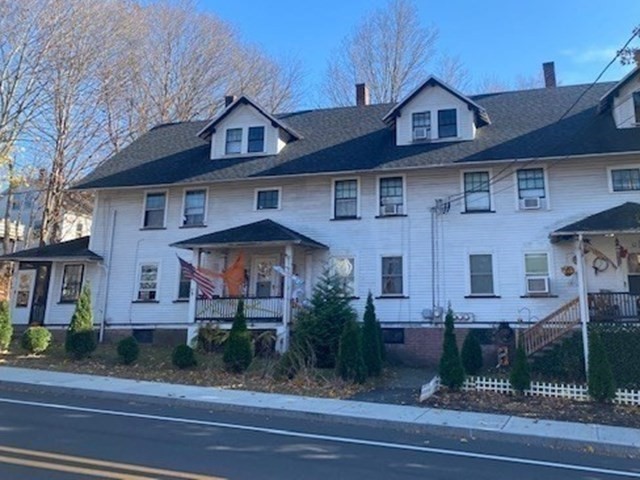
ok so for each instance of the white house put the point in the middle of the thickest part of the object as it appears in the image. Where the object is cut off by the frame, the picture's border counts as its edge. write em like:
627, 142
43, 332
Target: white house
511, 206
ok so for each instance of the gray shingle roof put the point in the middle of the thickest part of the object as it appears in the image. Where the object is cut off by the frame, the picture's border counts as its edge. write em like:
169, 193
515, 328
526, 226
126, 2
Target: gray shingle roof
77, 249
524, 125
263, 231
623, 218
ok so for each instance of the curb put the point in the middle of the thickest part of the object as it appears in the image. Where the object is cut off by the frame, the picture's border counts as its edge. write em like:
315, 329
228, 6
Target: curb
450, 431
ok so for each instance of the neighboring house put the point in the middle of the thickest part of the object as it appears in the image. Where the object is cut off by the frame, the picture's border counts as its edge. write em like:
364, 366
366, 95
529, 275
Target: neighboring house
487, 202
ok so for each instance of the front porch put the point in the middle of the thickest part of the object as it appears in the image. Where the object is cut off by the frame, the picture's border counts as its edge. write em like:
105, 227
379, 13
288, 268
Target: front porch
256, 309
614, 307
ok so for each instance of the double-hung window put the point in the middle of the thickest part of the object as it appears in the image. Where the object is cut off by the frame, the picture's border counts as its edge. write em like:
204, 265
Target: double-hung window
477, 193
421, 123
233, 143
391, 196
155, 205
636, 106
531, 183
184, 285
447, 123
147, 282
255, 140
625, 179
71, 283
345, 200
536, 266
481, 274
268, 199
194, 207
392, 283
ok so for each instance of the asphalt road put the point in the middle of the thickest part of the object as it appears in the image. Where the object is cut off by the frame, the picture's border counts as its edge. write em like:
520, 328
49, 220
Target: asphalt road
46, 435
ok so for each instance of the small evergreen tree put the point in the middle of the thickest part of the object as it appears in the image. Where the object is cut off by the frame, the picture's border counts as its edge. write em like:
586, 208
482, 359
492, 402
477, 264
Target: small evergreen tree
471, 354
80, 341
350, 364
601, 383
128, 350
237, 350
371, 350
321, 325
520, 376
36, 340
451, 369
183, 357
6, 329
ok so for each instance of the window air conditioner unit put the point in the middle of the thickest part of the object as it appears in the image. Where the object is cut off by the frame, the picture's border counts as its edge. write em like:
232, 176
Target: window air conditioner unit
537, 285
421, 133
391, 209
531, 203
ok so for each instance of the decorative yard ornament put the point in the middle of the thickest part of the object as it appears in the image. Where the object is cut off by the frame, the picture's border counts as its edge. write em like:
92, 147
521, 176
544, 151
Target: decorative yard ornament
233, 277
621, 252
600, 257
297, 285
568, 270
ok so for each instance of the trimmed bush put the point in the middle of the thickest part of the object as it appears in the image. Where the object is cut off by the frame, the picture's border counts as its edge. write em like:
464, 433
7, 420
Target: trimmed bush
350, 364
520, 376
321, 325
471, 354
451, 370
81, 339
183, 357
36, 340
6, 329
371, 350
237, 350
128, 350
601, 385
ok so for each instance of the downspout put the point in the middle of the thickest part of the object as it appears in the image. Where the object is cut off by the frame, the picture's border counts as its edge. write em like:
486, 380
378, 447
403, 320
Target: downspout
584, 303
433, 263
108, 280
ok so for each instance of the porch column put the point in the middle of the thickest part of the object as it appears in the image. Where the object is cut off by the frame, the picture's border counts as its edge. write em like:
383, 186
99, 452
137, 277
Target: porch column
193, 289
584, 301
286, 307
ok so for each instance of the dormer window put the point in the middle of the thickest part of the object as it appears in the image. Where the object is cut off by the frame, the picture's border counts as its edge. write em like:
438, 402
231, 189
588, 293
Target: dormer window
636, 107
421, 126
447, 123
256, 140
234, 141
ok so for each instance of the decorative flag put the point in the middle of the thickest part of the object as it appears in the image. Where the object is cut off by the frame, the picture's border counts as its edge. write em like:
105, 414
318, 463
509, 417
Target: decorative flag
204, 283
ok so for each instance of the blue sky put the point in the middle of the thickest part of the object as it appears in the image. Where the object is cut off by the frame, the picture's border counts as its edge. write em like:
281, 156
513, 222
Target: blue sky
501, 39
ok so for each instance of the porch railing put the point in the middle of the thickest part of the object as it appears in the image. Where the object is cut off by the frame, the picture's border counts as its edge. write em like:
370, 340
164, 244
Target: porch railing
614, 306
552, 327
256, 309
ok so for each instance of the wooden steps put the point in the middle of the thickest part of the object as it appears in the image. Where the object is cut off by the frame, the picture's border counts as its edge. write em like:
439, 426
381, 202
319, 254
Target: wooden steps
551, 329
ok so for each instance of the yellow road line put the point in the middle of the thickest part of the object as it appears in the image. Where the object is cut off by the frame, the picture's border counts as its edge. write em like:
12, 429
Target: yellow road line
70, 469
102, 463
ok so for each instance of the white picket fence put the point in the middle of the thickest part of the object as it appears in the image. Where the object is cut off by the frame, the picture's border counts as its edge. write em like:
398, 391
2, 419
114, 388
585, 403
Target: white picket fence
544, 389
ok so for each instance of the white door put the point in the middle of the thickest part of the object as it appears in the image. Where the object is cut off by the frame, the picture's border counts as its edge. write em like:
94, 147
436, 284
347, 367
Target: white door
265, 281
23, 296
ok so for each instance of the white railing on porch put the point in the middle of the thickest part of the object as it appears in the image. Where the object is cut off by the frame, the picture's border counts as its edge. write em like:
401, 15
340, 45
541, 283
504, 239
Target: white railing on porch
256, 309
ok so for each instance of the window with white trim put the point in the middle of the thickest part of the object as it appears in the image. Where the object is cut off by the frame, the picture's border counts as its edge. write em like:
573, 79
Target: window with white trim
447, 123
345, 199
536, 267
255, 140
391, 196
184, 285
625, 179
194, 207
477, 192
155, 204
147, 282
71, 283
268, 199
481, 274
531, 183
636, 106
233, 142
343, 269
421, 123
392, 276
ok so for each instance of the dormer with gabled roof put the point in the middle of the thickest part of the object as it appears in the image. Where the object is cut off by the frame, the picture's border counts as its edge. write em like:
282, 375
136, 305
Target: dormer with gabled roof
436, 112
245, 129
624, 101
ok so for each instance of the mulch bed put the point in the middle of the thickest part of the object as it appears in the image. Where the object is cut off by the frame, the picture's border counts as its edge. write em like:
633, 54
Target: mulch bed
537, 407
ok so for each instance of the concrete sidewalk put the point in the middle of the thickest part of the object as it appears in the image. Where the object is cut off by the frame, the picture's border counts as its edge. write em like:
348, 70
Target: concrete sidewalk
430, 420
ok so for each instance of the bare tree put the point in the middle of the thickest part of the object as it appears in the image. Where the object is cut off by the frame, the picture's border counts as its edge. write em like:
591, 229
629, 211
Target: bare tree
452, 71
389, 51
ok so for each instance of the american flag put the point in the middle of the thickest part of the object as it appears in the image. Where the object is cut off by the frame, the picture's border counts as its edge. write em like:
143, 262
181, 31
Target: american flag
204, 283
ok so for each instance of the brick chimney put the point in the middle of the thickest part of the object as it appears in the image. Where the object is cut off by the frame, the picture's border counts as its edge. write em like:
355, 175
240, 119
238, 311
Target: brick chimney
549, 71
229, 99
362, 94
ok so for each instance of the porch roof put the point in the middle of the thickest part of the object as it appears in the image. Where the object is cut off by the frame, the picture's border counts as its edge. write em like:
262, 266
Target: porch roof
624, 218
264, 231
77, 249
